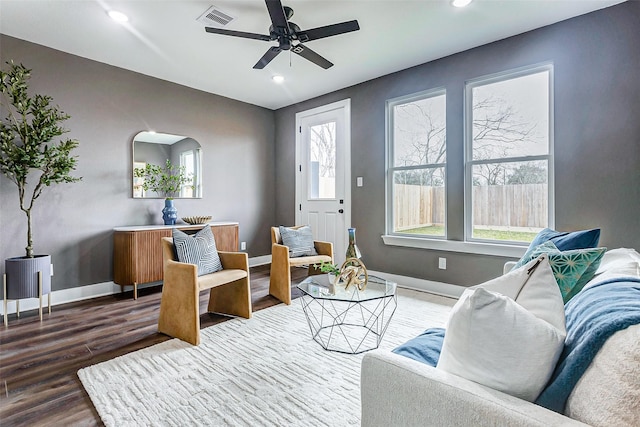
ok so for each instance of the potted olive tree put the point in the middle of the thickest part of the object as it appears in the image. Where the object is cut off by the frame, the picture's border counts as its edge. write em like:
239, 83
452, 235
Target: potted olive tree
31, 159
166, 181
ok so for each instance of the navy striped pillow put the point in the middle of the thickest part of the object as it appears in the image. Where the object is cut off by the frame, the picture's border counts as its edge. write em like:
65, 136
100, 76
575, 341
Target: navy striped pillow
199, 249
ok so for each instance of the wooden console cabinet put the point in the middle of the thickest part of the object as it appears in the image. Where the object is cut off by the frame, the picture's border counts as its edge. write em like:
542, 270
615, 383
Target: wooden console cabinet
137, 252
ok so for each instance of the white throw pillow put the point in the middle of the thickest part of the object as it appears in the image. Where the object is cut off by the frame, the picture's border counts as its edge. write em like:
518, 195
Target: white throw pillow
506, 344
534, 287
614, 258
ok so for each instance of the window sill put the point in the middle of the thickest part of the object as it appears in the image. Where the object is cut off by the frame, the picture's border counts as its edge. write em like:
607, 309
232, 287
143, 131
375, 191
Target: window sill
510, 251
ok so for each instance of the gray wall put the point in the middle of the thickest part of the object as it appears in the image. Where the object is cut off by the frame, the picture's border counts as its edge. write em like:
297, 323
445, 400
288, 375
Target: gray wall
109, 106
596, 61
150, 152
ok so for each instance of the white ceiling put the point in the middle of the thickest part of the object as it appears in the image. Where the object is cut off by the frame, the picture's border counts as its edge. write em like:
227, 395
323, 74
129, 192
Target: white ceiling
163, 39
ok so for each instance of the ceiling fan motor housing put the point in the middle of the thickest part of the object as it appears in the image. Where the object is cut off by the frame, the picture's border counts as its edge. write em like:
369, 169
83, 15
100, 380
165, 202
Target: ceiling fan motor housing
286, 33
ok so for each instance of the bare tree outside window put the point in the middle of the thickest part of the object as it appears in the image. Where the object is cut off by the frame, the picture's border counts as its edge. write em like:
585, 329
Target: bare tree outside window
508, 160
510, 155
418, 171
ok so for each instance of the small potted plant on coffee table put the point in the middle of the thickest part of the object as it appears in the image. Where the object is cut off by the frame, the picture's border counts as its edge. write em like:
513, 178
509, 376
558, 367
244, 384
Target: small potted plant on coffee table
331, 269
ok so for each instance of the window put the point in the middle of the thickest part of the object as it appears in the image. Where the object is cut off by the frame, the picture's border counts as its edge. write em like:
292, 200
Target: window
509, 173
322, 161
416, 141
189, 164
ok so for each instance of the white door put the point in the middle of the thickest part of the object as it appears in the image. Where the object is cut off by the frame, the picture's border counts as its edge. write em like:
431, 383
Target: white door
323, 173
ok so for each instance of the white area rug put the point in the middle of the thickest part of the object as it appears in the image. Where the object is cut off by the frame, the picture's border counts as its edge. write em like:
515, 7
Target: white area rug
265, 371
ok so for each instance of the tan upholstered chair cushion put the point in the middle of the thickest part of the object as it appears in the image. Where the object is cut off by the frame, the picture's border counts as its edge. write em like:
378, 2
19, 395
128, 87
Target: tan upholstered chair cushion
221, 277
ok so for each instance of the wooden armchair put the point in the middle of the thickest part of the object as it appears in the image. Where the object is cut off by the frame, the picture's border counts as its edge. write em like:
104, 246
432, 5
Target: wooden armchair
281, 263
229, 292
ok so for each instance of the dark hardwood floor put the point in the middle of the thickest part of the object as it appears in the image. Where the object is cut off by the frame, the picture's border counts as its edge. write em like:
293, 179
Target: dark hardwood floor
39, 360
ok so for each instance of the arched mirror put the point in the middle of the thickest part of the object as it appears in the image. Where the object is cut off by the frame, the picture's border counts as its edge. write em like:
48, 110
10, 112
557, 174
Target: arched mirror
161, 158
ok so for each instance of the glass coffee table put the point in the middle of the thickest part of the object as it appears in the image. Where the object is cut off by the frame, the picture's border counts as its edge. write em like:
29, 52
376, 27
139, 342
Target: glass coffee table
348, 321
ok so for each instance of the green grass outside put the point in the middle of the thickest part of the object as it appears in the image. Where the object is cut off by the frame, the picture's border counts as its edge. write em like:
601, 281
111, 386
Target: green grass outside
514, 236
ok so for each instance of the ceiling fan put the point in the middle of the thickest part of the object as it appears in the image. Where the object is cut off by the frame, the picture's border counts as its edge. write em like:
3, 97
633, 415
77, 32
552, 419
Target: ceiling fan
289, 35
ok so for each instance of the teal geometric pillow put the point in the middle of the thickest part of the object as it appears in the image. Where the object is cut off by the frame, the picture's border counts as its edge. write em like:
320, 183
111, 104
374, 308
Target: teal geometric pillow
545, 247
572, 269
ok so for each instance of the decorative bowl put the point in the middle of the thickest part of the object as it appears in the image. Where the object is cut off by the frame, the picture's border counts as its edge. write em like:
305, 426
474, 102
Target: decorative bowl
195, 220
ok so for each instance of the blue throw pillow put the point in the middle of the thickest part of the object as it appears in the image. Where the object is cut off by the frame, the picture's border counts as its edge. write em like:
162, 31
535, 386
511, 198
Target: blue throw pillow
568, 240
424, 348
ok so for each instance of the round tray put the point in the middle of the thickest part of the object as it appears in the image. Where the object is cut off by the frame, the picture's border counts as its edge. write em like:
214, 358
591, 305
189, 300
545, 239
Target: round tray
196, 220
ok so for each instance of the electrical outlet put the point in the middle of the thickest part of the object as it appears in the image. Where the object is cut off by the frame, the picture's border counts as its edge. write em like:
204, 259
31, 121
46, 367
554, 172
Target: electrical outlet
243, 246
442, 263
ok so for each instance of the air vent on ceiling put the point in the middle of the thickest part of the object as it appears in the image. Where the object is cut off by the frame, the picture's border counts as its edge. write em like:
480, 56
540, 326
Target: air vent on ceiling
214, 16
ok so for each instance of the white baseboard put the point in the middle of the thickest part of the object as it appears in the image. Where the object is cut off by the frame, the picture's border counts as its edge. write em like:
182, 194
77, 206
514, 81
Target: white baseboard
259, 260
80, 293
439, 288
64, 296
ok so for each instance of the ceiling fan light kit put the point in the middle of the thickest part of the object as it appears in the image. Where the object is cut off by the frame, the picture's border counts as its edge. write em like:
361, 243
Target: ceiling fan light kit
289, 35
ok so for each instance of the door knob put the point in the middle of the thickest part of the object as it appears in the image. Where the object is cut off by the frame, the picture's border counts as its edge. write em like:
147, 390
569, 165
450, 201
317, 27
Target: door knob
341, 210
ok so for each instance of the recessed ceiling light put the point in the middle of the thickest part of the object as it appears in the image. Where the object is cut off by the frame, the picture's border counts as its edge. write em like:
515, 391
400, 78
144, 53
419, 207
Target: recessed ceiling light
460, 3
118, 16
278, 78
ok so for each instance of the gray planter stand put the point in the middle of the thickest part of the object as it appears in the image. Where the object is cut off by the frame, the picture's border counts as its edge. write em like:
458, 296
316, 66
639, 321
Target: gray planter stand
26, 278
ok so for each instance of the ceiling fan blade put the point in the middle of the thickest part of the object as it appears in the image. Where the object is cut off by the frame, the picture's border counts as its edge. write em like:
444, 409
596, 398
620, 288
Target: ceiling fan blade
310, 55
278, 17
267, 57
328, 31
237, 34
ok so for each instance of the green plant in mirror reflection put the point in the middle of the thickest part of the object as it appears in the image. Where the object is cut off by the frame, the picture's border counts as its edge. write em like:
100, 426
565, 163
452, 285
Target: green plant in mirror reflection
166, 180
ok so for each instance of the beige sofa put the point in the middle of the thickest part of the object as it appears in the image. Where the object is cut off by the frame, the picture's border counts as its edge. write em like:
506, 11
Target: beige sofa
398, 391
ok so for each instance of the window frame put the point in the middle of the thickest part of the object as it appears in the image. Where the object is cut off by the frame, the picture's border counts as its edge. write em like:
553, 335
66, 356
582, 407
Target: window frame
468, 149
390, 168
463, 245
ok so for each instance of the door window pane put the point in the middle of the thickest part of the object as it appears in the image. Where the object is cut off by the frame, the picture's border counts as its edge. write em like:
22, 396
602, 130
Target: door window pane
322, 161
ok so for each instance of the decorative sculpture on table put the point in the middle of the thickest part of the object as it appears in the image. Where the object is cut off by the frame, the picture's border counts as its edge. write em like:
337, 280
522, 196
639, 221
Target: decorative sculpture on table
353, 272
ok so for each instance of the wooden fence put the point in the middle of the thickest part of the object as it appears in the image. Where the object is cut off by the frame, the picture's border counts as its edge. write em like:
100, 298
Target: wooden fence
417, 206
521, 205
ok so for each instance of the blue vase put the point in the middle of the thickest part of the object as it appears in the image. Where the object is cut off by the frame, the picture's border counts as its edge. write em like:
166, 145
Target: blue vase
169, 213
